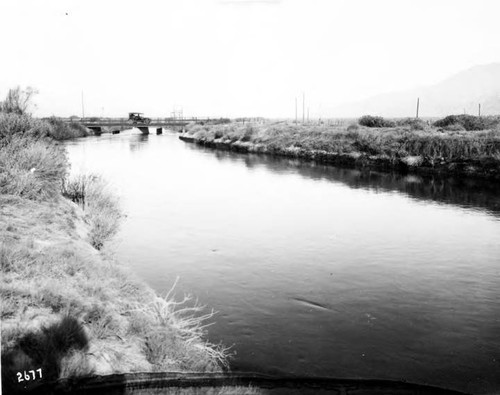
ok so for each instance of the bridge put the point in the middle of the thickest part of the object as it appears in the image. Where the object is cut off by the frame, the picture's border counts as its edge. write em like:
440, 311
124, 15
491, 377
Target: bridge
116, 125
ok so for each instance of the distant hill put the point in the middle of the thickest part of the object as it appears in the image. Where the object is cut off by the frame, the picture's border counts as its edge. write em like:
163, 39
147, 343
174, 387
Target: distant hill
479, 84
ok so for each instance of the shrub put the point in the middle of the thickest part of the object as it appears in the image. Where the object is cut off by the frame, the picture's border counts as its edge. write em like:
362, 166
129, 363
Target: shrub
64, 131
353, 127
79, 129
12, 124
248, 133
468, 122
18, 101
413, 123
375, 122
75, 188
220, 121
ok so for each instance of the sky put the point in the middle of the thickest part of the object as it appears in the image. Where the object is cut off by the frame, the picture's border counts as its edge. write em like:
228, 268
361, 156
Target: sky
230, 58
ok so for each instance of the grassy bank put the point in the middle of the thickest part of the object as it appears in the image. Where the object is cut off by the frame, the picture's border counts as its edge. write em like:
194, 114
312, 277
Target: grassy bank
68, 307
12, 125
405, 146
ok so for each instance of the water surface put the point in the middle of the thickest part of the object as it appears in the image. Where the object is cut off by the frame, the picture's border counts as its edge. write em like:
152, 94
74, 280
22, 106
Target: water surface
315, 270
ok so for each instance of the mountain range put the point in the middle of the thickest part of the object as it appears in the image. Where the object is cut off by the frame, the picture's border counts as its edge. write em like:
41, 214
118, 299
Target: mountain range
460, 93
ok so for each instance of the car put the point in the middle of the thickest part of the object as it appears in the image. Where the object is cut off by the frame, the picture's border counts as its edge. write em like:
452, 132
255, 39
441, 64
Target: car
136, 117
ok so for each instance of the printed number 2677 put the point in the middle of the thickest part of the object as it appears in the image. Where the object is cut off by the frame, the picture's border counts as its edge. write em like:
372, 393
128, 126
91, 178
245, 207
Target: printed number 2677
26, 375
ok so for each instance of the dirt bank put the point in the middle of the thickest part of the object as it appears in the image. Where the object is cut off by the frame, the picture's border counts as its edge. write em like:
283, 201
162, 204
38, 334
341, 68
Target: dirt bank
71, 310
475, 154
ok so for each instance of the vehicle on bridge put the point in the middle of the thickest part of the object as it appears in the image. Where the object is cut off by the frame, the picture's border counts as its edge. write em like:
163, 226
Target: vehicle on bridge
136, 117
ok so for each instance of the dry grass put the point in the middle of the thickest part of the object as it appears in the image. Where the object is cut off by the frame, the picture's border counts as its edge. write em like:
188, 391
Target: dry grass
75, 188
23, 125
431, 144
32, 169
64, 131
165, 321
100, 205
48, 271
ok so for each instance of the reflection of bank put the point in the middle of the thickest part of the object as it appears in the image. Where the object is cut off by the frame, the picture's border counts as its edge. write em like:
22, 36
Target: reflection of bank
459, 191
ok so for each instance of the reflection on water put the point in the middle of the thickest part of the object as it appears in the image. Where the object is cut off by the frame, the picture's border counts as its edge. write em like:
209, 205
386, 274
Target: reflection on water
138, 141
463, 192
316, 270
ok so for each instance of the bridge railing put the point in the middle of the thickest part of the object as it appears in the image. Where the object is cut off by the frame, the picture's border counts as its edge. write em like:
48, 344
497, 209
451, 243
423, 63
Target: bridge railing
104, 121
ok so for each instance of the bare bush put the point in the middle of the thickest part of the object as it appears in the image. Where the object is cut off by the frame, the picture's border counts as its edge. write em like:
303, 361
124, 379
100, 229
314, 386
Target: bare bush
174, 332
375, 122
18, 100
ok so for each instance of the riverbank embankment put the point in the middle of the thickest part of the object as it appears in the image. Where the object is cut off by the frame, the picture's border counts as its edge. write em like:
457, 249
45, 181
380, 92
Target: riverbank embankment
68, 308
426, 149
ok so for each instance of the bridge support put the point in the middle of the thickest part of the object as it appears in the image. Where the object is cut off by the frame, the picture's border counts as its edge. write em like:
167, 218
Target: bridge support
96, 129
159, 130
143, 129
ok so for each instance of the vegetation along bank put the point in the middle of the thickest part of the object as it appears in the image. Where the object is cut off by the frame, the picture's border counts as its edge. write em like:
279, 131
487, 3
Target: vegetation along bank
459, 145
68, 308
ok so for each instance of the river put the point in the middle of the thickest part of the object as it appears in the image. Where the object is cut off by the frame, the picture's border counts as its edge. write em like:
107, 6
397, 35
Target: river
315, 270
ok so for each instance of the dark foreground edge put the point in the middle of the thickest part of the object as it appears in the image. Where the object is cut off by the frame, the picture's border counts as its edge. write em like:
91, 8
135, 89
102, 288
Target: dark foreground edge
196, 383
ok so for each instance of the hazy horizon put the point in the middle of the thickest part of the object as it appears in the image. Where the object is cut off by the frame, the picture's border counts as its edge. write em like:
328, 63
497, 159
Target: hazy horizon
239, 57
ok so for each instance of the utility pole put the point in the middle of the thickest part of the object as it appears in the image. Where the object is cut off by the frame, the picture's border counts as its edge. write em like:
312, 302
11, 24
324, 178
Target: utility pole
303, 107
83, 108
0, 364
295, 111
479, 109
418, 105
